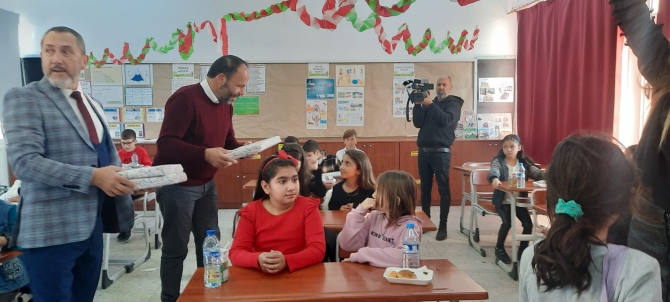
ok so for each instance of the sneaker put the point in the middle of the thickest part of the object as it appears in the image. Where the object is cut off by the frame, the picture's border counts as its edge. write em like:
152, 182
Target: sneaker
124, 236
441, 231
501, 255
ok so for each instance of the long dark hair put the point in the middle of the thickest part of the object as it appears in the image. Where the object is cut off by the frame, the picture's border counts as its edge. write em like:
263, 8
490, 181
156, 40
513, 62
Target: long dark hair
366, 179
577, 173
267, 171
304, 174
521, 156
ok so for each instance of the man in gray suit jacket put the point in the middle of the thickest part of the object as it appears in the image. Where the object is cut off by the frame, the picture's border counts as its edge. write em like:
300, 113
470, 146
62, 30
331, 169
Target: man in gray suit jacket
60, 148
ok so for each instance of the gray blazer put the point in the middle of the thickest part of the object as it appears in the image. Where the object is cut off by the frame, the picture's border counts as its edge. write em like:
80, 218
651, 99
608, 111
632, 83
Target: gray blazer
50, 152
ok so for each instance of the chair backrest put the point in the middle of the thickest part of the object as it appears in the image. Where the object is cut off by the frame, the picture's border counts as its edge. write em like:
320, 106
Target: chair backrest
479, 183
538, 197
477, 164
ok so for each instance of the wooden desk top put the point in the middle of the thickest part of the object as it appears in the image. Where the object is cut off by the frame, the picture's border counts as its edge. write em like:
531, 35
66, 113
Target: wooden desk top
335, 281
504, 186
334, 220
467, 170
6, 255
249, 185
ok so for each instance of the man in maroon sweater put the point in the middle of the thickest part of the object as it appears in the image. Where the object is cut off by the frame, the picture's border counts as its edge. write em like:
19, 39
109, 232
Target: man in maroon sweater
197, 132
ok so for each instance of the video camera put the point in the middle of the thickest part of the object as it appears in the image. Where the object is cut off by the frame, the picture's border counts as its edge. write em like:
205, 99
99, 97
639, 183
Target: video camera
418, 89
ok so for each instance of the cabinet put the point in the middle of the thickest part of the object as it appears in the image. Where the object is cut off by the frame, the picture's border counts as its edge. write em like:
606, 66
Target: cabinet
383, 156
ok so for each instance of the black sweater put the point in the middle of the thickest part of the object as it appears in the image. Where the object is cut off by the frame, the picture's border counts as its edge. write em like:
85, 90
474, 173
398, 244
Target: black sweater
437, 122
647, 42
340, 198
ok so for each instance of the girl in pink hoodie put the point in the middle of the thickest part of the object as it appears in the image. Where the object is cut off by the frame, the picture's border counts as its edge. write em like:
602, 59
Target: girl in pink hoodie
375, 228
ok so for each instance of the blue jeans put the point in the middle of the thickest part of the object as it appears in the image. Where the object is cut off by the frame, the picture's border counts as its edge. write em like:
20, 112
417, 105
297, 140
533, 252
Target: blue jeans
435, 163
185, 209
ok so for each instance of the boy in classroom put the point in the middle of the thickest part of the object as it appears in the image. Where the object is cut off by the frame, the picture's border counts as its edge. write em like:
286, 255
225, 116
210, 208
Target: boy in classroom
129, 146
319, 162
349, 138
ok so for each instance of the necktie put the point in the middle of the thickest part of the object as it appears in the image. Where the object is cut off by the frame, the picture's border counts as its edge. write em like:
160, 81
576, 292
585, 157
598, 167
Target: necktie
87, 117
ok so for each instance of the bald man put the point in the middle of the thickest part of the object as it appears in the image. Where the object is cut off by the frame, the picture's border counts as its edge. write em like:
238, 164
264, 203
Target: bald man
437, 119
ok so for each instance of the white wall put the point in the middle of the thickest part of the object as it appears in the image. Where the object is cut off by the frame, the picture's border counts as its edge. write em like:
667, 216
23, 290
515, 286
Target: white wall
278, 38
10, 75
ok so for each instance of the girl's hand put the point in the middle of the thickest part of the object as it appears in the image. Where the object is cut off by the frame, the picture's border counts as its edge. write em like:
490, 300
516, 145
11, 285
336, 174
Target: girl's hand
495, 183
346, 207
275, 262
369, 204
346, 260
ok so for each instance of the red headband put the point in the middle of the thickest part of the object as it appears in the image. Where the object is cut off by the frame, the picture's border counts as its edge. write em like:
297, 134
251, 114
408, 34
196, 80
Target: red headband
280, 155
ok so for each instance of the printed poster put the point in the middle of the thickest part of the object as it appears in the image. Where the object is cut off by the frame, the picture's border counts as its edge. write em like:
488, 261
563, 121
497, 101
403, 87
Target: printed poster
112, 115
256, 83
133, 115
247, 105
107, 75
183, 70
115, 130
488, 122
400, 98
403, 70
320, 89
350, 75
179, 83
467, 125
496, 89
318, 70
139, 96
82, 75
138, 75
155, 115
137, 127
317, 114
108, 96
350, 109
86, 86
204, 69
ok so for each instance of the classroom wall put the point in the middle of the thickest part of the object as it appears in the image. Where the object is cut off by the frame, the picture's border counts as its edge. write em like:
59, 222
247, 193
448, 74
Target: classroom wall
279, 38
10, 75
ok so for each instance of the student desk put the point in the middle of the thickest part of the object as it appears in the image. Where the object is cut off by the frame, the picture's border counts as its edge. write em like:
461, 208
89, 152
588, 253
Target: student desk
335, 281
524, 203
334, 220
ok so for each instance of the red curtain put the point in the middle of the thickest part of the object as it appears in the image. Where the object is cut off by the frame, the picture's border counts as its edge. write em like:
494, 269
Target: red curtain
663, 16
566, 66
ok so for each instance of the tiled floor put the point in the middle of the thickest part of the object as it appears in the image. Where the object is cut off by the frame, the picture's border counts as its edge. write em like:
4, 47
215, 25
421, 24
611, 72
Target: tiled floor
143, 284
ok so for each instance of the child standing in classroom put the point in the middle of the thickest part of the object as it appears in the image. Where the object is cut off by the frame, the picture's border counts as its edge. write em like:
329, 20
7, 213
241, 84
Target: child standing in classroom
129, 146
349, 138
280, 229
590, 183
357, 183
509, 157
377, 236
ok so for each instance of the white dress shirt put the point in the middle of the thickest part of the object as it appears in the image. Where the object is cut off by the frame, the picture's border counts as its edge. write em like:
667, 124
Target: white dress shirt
209, 92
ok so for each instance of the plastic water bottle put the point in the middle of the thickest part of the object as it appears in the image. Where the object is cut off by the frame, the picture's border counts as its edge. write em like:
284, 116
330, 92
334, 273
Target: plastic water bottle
520, 176
135, 160
511, 178
410, 241
211, 258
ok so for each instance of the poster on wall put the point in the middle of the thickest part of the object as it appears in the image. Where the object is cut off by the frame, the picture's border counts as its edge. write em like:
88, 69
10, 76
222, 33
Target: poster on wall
181, 82
137, 127
494, 125
247, 105
139, 96
204, 69
115, 130
138, 75
85, 86
155, 115
108, 96
350, 109
318, 70
320, 89
400, 98
403, 70
107, 75
82, 75
183, 70
467, 125
133, 115
112, 115
496, 89
350, 75
317, 114
256, 83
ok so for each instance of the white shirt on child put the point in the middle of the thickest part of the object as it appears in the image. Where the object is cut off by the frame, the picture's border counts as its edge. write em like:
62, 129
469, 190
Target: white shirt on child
340, 154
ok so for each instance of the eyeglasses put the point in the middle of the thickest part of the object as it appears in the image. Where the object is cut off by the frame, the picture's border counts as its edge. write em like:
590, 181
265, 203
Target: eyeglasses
126, 143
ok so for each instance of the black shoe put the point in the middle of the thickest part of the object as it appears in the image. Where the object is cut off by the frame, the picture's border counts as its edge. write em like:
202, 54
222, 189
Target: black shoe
441, 231
501, 255
124, 236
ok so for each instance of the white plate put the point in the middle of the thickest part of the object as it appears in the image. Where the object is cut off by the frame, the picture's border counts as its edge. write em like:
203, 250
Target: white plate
423, 276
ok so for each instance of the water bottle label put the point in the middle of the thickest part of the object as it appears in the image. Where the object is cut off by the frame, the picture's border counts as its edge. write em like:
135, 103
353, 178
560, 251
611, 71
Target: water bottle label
411, 248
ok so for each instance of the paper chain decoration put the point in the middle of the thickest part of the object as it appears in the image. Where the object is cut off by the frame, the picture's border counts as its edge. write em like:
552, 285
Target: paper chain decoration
333, 14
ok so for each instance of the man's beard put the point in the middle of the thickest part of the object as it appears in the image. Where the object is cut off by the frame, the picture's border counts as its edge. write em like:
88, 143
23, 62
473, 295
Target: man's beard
67, 83
226, 96
441, 96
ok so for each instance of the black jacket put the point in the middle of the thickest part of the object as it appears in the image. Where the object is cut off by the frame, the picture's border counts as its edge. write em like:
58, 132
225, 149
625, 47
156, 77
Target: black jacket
499, 170
437, 122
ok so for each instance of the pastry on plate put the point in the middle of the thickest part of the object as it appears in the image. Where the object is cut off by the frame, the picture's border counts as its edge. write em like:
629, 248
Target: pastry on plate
402, 274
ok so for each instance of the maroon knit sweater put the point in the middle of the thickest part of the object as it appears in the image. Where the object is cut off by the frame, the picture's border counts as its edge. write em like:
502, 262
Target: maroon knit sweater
193, 123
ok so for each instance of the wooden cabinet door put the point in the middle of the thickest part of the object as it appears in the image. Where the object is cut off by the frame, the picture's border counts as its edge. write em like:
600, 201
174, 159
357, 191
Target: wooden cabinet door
383, 156
331, 148
251, 166
229, 187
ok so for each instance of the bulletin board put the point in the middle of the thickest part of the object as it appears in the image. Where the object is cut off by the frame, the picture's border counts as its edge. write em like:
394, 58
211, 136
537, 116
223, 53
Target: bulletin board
282, 109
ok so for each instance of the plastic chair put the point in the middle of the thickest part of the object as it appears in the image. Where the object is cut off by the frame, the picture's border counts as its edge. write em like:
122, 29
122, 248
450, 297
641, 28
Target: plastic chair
466, 195
479, 185
538, 201
128, 264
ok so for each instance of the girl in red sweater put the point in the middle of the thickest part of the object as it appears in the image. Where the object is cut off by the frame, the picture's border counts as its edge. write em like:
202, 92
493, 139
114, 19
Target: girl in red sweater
280, 230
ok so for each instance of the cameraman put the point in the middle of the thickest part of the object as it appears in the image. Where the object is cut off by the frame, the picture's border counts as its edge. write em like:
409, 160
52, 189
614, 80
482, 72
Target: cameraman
437, 119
